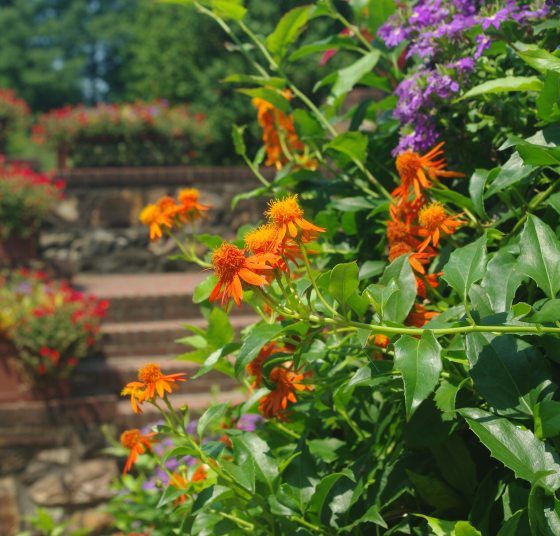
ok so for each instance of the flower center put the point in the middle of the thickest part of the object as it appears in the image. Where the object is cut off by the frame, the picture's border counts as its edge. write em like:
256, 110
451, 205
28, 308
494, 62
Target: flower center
261, 239
432, 216
398, 249
189, 196
227, 260
408, 164
130, 438
285, 210
149, 373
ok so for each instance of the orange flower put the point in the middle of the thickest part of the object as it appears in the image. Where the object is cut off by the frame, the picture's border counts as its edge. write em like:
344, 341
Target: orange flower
155, 382
274, 404
276, 123
179, 482
167, 205
254, 368
137, 443
414, 171
137, 395
263, 239
419, 316
431, 279
200, 473
287, 216
381, 340
189, 208
231, 265
417, 258
434, 220
155, 218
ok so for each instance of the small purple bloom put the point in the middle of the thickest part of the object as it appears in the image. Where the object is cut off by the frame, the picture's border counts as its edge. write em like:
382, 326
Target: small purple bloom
248, 422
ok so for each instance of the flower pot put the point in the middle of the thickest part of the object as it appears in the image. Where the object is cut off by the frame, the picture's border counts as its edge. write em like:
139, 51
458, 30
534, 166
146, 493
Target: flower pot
12, 387
16, 385
17, 250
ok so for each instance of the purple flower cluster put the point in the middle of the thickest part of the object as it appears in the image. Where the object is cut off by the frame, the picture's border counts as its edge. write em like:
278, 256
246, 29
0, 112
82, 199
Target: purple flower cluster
439, 37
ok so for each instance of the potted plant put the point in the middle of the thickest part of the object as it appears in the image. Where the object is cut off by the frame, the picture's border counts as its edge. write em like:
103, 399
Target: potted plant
13, 112
46, 327
26, 197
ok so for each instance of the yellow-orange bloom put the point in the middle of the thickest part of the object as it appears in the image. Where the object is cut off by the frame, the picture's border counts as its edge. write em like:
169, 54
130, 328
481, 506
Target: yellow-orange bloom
272, 120
155, 218
189, 208
155, 382
137, 444
416, 170
287, 216
264, 239
275, 403
231, 266
434, 220
137, 395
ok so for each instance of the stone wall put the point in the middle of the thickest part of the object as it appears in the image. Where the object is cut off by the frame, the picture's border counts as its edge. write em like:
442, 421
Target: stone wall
96, 227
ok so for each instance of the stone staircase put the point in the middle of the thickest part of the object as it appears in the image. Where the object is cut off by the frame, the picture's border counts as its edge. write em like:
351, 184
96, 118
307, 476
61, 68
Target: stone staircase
144, 320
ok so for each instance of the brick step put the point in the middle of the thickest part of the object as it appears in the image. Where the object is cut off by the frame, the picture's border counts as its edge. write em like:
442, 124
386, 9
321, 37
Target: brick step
155, 338
197, 404
110, 375
141, 297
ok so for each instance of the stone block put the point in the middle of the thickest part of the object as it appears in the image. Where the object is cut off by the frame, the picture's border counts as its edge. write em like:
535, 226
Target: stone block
10, 517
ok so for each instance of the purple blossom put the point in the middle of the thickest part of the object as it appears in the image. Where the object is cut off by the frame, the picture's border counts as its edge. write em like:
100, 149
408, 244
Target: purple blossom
248, 422
483, 42
498, 17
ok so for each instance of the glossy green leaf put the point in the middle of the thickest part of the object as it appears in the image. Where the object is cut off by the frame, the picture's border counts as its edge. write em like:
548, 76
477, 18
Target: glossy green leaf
378, 12
537, 155
398, 304
220, 331
517, 365
540, 59
466, 266
441, 527
204, 289
476, 189
435, 491
322, 45
253, 342
351, 144
544, 513
419, 362
540, 255
250, 447
243, 475
547, 419
289, 28
229, 9
505, 85
370, 269
349, 76
512, 172
549, 311
554, 202
210, 417
516, 525
343, 282
548, 102
501, 280
317, 502
517, 448
238, 141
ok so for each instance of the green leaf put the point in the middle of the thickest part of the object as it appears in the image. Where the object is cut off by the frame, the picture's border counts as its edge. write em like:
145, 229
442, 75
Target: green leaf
519, 369
307, 125
547, 419
370, 269
501, 280
204, 289
540, 255
546, 25
536, 155
435, 492
343, 282
466, 266
419, 362
250, 447
441, 527
540, 59
505, 85
544, 513
515, 447
322, 45
476, 190
378, 12
516, 525
217, 361
211, 416
289, 28
220, 331
548, 102
372, 515
512, 172
353, 204
229, 9
548, 312
445, 397
254, 341
300, 476
243, 475
349, 76
554, 202
398, 305
351, 144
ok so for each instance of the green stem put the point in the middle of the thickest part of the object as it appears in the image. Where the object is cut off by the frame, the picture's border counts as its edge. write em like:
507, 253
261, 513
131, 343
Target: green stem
241, 522
314, 283
307, 524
